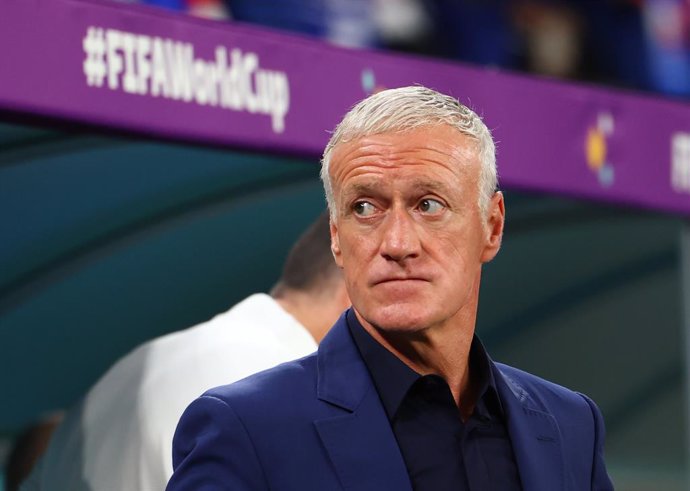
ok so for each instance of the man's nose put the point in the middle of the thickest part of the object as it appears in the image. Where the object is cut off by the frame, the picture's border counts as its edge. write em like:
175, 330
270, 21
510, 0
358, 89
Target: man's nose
400, 239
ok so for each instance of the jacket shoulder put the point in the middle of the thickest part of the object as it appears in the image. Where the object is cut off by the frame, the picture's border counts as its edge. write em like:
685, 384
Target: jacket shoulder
544, 394
277, 385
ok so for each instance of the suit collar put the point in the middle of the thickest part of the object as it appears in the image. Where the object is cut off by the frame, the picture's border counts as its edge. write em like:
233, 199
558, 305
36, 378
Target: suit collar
344, 381
534, 434
359, 440
343, 378
393, 379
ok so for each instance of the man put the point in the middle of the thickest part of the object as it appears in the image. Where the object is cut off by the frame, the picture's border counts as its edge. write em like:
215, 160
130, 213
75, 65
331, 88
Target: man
120, 436
400, 395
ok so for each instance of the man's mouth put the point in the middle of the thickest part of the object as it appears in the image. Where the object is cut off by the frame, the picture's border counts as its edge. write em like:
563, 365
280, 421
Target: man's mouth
398, 279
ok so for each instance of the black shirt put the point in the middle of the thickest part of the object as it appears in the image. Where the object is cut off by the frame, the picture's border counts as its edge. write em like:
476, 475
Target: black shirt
442, 452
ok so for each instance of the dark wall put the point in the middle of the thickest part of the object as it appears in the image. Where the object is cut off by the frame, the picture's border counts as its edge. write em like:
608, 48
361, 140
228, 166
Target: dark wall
107, 242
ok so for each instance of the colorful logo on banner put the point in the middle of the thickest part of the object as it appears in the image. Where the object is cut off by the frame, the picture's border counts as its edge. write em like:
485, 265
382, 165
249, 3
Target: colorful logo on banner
151, 66
680, 162
597, 149
369, 82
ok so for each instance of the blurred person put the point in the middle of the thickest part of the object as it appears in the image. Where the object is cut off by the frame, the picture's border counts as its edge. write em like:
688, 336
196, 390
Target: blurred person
208, 9
120, 436
401, 394
348, 23
28, 448
475, 31
614, 51
553, 34
404, 25
667, 35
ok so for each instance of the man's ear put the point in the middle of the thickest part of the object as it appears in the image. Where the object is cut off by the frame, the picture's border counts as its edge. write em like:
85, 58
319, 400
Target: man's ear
496, 216
335, 244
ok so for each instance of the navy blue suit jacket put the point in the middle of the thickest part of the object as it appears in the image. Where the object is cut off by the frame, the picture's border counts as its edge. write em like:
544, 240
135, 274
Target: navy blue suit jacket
317, 424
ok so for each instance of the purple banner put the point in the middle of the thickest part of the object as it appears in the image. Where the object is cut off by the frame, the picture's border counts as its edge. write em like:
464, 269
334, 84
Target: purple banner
169, 75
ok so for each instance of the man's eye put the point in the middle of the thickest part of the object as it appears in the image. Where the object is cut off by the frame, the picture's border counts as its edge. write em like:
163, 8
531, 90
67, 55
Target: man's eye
364, 208
430, 206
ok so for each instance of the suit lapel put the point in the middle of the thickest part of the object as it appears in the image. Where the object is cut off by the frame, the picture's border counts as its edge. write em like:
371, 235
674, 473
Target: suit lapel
359, 441
534, 435
363, 449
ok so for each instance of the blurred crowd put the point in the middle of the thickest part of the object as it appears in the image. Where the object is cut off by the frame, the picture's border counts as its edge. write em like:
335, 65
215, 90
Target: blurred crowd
638, 44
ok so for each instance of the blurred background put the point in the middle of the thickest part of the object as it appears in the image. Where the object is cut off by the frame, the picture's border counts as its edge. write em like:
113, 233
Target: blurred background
636, 44
110, 240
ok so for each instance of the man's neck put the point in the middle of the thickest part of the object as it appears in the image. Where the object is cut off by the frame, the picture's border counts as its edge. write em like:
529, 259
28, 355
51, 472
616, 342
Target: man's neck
442, 350
316, 313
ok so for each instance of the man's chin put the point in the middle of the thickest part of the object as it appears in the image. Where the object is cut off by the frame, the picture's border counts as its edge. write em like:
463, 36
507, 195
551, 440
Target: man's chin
397, 320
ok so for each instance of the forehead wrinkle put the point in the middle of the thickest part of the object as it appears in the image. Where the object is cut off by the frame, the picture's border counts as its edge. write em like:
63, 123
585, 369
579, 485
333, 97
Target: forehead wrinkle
430, 185
362, 189
372, 155
377, 148
461, 146
393, 157
385, 153
373, 187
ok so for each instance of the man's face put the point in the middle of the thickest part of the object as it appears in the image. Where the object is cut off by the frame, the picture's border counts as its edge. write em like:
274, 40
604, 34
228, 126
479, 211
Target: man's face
408, 233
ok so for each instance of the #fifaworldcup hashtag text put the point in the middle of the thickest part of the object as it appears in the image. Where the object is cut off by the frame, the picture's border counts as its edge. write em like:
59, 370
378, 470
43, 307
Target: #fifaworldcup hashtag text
145, 65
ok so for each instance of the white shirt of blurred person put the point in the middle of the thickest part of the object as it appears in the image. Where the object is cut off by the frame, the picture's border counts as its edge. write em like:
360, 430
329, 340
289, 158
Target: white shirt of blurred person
119, 437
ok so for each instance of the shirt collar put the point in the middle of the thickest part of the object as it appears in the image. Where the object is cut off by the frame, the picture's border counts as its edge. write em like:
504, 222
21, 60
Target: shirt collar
393, 378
